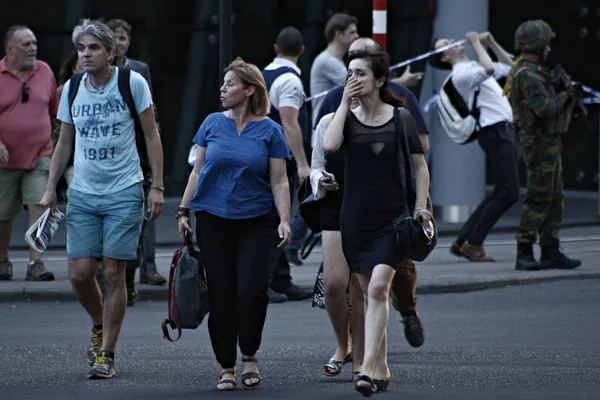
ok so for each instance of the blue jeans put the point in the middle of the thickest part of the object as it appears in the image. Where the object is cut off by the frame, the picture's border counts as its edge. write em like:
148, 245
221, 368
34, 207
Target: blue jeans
105, 225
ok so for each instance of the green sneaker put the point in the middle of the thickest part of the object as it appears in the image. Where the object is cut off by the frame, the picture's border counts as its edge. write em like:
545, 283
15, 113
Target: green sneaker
95, 346
36, 271
104, 366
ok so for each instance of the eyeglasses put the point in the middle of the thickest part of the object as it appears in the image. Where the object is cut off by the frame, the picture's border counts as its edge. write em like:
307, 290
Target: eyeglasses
25, 92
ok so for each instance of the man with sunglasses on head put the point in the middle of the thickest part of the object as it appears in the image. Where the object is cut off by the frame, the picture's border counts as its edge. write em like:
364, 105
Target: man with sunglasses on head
28, 105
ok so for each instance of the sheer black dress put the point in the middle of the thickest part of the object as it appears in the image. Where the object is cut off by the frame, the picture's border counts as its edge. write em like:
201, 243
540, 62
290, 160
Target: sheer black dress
373, 191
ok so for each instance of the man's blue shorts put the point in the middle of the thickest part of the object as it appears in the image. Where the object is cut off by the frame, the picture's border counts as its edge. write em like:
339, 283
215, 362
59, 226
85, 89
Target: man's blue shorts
105, 225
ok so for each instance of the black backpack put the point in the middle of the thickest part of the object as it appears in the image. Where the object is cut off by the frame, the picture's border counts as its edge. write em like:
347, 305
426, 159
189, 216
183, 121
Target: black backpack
125, 91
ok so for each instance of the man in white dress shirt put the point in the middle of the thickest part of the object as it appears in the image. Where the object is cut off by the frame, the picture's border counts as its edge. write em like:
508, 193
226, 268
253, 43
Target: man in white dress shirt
496, 134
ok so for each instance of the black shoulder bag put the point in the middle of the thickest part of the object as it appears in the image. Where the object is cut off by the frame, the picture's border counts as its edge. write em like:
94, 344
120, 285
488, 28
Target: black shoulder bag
414, 239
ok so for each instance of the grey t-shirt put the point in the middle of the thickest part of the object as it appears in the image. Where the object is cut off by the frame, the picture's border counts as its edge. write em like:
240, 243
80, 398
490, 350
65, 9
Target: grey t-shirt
327, 72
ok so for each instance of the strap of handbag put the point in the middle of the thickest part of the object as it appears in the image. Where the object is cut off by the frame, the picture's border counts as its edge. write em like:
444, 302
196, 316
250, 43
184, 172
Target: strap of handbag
174, 321
404, 159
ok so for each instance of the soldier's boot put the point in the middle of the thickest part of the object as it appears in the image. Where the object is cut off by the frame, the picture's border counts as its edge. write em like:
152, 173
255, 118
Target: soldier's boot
553, 258
525, 259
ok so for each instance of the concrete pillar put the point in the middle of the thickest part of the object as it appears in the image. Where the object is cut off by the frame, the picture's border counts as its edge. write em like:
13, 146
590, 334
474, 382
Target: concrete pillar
457, 171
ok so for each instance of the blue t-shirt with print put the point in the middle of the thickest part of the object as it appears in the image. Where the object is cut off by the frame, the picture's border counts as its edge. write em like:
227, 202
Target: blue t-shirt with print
106, 157
234, 181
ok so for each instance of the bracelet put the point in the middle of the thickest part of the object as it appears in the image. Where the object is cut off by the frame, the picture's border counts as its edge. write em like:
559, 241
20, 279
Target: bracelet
183, 212
161, 188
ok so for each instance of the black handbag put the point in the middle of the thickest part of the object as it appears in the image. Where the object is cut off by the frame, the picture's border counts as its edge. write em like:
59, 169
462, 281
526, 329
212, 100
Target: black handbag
309, 208
414, 239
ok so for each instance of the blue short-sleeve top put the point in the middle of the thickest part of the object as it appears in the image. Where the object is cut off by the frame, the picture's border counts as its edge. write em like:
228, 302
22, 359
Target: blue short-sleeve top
234, 181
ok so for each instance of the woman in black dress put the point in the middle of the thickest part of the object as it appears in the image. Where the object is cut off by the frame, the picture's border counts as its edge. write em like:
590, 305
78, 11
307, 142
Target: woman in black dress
374, 197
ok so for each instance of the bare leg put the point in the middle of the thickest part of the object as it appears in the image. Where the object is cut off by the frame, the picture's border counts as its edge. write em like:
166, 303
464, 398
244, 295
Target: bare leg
82, 272
5, 232
336, 277
377, 288
35, 212
357, 322
381, 366
115, 302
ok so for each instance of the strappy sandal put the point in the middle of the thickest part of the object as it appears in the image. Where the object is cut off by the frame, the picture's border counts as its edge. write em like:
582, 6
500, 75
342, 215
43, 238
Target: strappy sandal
365, 390
226, 384
250, 375
333, 367
381, 385
355, 375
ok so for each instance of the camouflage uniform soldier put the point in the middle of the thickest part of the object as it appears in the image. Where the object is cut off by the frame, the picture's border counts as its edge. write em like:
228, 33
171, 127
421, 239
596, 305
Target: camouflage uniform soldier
542, 105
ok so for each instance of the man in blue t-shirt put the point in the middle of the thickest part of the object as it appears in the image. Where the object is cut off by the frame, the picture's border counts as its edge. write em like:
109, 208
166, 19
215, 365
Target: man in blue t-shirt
404, 284
105, 210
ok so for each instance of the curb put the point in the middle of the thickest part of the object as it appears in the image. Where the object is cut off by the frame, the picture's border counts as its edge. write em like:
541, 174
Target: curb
477, 286
161, 294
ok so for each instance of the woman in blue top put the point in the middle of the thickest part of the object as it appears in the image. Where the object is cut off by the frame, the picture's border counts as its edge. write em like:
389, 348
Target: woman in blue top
238, 180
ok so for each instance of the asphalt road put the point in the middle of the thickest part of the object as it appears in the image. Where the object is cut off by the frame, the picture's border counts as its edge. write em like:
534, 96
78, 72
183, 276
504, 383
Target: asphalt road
524, 342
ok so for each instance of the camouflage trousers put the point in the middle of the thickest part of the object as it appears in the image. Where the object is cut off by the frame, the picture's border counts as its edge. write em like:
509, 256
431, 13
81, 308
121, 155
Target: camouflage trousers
544, 203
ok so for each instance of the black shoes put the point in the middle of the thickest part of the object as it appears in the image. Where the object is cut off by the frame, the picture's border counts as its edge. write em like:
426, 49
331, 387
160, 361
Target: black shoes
525, 259
552, 258
275, 297
132, 296
294, 292
413, 330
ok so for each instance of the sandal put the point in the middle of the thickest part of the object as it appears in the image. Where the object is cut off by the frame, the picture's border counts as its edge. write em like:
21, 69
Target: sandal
365, 390
226, 384
382, 384
333, 367
250, 375
355, 375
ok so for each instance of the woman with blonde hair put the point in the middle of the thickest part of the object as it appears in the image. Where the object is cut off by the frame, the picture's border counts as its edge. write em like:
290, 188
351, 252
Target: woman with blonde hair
239, 192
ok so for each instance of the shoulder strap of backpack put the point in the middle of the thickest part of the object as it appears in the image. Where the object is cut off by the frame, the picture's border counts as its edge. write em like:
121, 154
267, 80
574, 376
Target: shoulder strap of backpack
140, 139
125, 90
474, 110
73, 88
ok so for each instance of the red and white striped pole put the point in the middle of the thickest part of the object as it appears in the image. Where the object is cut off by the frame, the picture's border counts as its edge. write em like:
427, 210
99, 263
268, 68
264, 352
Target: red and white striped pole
380, 22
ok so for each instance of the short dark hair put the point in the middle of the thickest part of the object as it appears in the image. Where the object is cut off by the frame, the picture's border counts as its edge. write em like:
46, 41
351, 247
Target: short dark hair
115, 24
289, 41
436, 60
11, 32
338, 23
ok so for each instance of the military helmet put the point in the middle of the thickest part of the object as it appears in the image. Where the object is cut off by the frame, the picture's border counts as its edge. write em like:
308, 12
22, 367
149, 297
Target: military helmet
533, 36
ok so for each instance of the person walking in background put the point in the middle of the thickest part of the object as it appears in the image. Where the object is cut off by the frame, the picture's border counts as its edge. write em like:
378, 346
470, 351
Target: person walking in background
404, 285
475, 81
106, 199
327, 183
288, 109
328, 69
28, 104
369, 134
147, 250
542, 114
239, 191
